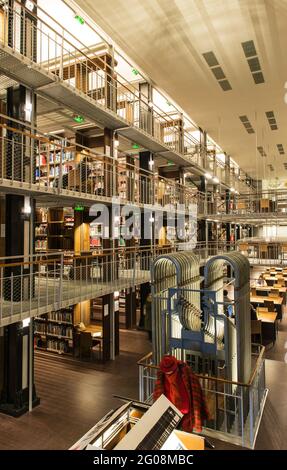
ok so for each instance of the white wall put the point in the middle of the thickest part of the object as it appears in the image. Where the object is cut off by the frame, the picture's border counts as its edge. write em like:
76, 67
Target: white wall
272, 231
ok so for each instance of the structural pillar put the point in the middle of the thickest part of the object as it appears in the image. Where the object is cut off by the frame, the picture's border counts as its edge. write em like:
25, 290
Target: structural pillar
18, 394
202, 222
131, 316
146, 107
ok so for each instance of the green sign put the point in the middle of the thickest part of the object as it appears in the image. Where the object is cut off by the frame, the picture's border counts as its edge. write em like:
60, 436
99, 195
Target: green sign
79, 119
79, 208
135, 71
80, 19
136, 146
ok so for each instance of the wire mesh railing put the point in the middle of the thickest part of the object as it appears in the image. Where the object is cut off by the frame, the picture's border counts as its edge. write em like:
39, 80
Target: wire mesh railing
48, 163
265, 251
39, 283
262, 204
47, 281
39, 37
91, 71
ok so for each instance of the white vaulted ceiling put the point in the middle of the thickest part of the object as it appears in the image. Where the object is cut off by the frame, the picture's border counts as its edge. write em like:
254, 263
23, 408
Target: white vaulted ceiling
167, 39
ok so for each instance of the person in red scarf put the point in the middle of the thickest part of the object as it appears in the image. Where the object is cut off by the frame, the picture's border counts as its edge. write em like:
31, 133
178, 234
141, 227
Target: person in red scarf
177, 382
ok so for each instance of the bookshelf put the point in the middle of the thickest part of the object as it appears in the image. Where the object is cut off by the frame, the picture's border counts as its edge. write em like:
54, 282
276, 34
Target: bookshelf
128, 180
41, 226
96, 236
54, 332
54, 229
50, 156
60, 229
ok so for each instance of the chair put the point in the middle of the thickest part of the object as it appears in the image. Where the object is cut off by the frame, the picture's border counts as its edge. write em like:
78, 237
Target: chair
253, 312
264, 205
262, 293
283, 251
89, 345
86, 344
256, 329
269, 304
279, 284
263, 251
241, 207
243, 248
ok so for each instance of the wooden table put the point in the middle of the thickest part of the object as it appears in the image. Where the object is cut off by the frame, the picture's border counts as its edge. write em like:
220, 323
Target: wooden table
270, 280
275, 274
267, 289
258, 300
275, 270
268, 320
95, 330
267, 317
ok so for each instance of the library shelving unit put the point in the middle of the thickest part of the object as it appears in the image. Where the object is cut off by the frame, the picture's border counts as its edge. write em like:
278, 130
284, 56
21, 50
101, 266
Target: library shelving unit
97, 176
54, 332
54, 229
96, 236
48, 162
41, 227
128, 180
60, 232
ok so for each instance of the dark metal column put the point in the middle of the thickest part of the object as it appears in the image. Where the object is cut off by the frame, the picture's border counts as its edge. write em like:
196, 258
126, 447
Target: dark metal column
228, 224
131, 317
18, 393
202, 223
146, 107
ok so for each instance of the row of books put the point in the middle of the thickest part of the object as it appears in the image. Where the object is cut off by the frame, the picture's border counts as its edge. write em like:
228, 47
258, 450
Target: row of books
60, 330
61, 316
55, 158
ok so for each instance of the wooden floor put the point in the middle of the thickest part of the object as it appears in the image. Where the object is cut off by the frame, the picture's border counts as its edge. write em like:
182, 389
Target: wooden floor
74, 396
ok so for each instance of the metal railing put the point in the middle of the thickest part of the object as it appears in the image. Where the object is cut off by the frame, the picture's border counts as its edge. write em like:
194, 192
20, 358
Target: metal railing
91, 71
205, 250
44, 41
33, 285
261, 204
47, 163
235, 409
265, 251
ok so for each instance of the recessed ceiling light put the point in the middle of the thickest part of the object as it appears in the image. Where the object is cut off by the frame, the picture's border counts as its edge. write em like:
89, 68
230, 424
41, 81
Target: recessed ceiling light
29, 5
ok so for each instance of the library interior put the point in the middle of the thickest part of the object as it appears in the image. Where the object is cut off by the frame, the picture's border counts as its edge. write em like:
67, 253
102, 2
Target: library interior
143, 225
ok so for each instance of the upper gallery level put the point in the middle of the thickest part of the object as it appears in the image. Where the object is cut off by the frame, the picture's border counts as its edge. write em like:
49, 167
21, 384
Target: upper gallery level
69, 62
